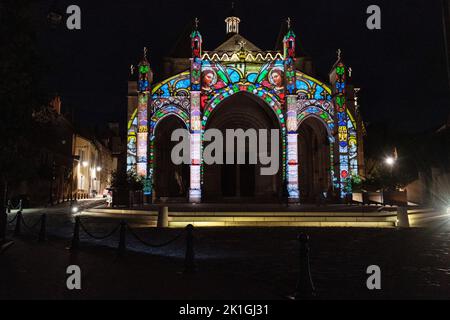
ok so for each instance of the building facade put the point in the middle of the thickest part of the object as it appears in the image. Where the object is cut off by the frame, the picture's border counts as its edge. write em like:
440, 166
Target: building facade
240, 86
92, 169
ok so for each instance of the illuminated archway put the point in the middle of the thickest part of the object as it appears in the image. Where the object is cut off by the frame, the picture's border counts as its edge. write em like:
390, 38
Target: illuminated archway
170, 181
245, 111
314, 158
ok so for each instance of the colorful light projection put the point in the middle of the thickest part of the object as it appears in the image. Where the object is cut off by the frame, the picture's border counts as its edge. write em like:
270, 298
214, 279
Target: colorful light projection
145, 79
250, 57
142, 135
291, 157
320, 113
353, 149
216, 77
195, 192
196, 42
273, 78
343, 151
309, 88
237, 80
292, 148
289, 58
176, 86
132, 143
199, 79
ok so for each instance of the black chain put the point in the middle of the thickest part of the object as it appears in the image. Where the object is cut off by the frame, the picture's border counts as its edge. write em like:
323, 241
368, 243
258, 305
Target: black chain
30, 228
99, 237
15, 207
151, 244
13, 219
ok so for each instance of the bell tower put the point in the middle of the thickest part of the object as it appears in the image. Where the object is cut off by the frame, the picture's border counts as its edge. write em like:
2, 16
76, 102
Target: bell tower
232, 22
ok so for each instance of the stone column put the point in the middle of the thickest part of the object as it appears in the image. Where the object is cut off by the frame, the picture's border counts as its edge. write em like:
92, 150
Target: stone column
195, 192
292, 150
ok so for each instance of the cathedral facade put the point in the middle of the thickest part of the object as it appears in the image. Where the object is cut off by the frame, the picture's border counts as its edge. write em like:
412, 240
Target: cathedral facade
240, 86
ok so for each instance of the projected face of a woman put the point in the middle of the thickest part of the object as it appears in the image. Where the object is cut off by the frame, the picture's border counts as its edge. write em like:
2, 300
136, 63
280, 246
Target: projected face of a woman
277, 79
207, 80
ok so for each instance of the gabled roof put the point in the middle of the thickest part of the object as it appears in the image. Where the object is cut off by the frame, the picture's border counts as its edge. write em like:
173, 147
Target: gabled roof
233, 44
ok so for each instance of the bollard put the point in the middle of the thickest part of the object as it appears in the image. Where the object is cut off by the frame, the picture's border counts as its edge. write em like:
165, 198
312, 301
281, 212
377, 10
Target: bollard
305, 286
43, 230
17, 229
76, 235
189, 264
402, 217
122, 238
3, 226
20, 205
9, 206
163, 217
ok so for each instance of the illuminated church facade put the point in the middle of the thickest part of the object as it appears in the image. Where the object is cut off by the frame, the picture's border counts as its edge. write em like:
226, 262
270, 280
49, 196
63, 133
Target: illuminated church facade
240, 86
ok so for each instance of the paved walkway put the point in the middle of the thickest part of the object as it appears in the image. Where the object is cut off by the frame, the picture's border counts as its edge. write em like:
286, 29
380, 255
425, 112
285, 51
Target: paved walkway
239, 263
233, 263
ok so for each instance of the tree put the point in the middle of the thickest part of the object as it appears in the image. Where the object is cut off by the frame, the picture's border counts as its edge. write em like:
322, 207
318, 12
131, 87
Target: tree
129, 181
19, 96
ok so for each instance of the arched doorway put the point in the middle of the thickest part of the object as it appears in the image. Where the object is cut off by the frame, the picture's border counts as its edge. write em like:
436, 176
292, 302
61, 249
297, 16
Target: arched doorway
171, 182
242, 182
314, 159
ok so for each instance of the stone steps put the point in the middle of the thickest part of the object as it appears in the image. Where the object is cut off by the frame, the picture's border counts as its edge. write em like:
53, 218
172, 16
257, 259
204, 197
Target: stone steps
125, 212
252, 219
319, 224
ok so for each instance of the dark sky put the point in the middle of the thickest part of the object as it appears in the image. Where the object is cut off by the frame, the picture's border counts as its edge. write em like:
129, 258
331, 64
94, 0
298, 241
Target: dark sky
401, 68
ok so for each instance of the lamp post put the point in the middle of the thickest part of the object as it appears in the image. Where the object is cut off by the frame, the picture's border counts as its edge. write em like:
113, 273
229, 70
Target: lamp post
75, 159
390, 162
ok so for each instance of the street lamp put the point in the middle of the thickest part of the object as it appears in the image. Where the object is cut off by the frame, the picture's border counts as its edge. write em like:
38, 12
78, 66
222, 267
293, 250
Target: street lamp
390, 161
99, 169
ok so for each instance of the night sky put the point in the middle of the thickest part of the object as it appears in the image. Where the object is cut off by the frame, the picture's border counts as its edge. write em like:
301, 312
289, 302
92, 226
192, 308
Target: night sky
401, 68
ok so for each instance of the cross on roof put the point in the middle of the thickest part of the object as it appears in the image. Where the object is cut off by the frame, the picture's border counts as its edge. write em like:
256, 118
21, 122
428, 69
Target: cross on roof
196, 21
289, 22
339, 53
242, 43
145, 52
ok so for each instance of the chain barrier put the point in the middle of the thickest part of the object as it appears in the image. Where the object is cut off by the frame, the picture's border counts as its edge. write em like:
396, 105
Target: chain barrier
10, 206
13, 219
42, 221
32, 227
189, 263
110, 234
148, 244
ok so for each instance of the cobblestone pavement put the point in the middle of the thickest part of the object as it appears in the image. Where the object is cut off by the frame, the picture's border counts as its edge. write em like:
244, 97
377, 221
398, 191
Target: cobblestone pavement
258, 263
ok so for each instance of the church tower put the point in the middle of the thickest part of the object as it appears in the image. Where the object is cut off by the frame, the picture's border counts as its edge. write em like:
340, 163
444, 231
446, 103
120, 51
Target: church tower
145, 79
232, 22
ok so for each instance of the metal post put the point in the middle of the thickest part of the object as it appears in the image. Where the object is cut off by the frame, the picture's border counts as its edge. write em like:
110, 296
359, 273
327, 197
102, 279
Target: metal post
9, 206
122, 238
163, 217
189, 264
402, 217
305, 286
17, 229
76, 235
43, 230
